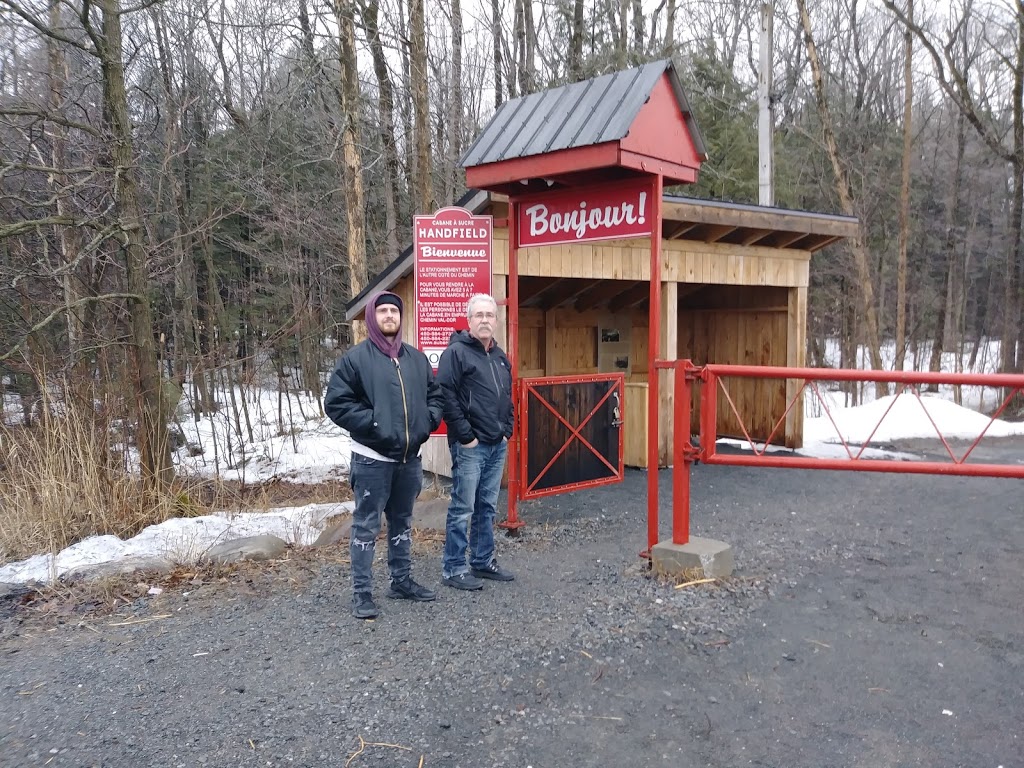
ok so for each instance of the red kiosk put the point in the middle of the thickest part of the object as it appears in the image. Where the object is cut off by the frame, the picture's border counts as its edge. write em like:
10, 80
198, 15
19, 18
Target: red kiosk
584, 162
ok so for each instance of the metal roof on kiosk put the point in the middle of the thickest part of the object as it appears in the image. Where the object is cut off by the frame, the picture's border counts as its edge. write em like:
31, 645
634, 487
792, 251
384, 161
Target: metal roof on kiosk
586, 114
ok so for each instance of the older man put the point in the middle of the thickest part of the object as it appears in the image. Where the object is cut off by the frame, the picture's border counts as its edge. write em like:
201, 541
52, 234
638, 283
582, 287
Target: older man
383, 392
476, 379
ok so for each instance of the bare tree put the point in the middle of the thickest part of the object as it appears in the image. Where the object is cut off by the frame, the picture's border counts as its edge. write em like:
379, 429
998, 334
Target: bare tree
455, 113
575, 64
972, 95
496, 38
858, 244
904, 222
386, 123
355, 205
421, 108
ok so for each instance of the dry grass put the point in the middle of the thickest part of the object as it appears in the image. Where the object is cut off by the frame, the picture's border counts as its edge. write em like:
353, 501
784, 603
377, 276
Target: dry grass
60, 482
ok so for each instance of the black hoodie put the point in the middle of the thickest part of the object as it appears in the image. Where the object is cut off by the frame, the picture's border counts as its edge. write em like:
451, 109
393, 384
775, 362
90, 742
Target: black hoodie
477, 388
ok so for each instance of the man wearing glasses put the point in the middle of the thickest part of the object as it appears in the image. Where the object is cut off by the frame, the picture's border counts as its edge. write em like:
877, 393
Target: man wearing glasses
476, 380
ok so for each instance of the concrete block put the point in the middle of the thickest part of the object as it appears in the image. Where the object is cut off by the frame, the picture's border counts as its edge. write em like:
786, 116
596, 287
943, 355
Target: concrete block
713, 558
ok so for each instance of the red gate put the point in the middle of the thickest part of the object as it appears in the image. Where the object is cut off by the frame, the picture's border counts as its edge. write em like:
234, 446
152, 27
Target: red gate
710, 380
572, 427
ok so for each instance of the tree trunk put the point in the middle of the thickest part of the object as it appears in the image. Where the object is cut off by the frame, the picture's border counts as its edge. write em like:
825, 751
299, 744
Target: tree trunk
386, 116
576, 43
455, 116
904, 217
1015, 257
355, 199
946, 320
622, 36
638, 31
154, 446
496, 42
530, 84
955, 83
519, 45
67, 238
670, 29
858, 243
421, 107
186, 316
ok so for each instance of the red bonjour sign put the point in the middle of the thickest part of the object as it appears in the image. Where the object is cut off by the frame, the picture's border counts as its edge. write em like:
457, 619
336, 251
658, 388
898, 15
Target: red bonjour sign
605, 212
453, 261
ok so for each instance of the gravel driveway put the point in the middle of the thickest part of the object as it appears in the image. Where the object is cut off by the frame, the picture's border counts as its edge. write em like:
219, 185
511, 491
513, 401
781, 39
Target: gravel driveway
874, 620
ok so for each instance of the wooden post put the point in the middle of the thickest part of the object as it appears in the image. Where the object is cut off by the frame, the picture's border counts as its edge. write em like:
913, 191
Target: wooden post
653, 345
668, 350
512, 523
796, 350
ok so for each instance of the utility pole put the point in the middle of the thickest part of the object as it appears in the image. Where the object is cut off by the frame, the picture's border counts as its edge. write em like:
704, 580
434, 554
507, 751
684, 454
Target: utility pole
765, 123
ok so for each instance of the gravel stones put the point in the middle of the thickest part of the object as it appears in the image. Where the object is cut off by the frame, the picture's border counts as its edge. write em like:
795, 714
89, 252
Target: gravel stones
584, 659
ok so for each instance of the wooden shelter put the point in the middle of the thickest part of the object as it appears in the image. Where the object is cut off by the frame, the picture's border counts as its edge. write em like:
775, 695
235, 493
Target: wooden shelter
733, 278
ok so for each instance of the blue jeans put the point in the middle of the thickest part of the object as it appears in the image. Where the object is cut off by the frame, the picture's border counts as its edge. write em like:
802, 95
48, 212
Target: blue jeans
391, 488
476, 479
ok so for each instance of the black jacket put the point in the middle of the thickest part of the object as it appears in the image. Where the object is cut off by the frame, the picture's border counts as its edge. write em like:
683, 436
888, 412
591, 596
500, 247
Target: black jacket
477, 387
388, 405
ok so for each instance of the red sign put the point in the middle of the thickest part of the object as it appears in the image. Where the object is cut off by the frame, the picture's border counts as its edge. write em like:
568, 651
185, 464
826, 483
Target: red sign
606, 212
452, 249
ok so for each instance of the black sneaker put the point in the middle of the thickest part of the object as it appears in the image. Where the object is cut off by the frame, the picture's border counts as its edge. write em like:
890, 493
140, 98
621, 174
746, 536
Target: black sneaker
493, 572
363, 606
410, 590
466, 581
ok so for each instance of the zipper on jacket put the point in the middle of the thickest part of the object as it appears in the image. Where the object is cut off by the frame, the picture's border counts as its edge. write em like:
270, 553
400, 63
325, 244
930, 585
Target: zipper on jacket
497, 386
405, 409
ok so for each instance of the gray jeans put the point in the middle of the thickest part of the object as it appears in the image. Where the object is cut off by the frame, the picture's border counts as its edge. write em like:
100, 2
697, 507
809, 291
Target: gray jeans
391, 488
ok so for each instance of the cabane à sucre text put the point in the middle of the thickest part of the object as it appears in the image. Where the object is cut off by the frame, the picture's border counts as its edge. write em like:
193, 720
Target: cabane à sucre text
453, 233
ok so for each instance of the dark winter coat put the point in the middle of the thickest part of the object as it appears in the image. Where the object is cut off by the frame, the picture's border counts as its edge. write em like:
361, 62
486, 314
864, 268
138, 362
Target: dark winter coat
477, 387
389, 405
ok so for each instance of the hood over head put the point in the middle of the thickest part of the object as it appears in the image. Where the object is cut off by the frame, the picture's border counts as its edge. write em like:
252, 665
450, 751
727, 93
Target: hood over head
389, 347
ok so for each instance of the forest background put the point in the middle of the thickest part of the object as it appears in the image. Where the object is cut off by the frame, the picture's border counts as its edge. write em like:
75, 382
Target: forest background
191, 190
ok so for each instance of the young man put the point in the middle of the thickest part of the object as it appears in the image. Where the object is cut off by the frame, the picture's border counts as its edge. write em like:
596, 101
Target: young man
383, 392
476, 379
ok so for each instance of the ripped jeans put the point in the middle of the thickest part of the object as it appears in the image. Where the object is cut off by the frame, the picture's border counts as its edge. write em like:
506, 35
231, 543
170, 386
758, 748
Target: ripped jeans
391, 488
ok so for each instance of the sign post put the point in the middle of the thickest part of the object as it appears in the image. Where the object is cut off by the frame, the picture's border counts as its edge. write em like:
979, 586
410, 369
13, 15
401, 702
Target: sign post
452, 250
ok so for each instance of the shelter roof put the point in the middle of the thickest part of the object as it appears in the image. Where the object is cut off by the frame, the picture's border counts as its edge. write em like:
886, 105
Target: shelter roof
683, 218
633, 121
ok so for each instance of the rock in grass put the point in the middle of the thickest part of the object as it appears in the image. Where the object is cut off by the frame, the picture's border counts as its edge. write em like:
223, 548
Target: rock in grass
123, 567
336, 532
264, 547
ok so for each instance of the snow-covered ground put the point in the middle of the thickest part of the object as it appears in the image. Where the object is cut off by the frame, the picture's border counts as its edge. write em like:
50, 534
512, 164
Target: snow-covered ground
291, 440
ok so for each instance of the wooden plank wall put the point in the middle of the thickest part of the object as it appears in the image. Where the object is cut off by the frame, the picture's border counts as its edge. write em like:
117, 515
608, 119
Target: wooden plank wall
754, 337
683, 261
635, 425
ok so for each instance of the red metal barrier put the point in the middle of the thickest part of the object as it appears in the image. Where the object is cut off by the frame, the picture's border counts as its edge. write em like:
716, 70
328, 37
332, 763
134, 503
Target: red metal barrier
710, 379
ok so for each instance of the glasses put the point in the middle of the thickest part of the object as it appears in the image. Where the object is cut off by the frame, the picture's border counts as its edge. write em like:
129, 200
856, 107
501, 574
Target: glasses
483, 316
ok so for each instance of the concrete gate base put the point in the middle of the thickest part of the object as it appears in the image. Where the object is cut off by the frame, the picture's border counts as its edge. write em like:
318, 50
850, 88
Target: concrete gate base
713, 558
